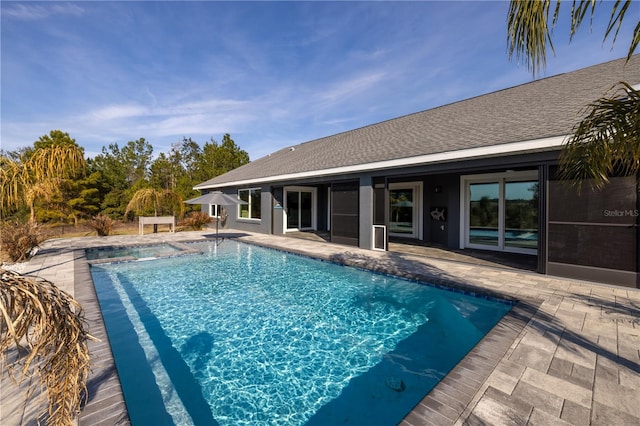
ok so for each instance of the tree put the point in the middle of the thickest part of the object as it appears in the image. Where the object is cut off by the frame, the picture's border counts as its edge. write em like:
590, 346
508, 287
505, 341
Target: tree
136, 155
151, 201
124, 171
111, 166
84, 196
607, 140
163, 173
114, 203
55, 138
217, 158
185, 156
187, 152
38, 175
127, 167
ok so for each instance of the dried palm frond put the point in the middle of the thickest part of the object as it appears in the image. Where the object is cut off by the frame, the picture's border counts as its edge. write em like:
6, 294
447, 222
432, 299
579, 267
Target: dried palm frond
146, 199
47, 327
160, 202
38, 177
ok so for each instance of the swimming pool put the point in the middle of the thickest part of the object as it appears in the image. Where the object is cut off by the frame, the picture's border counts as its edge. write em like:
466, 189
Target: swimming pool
136, 252
246, 335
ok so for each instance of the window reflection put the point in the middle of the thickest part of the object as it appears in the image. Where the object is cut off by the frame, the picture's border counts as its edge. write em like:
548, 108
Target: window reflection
484, 213
401, 219
521, 214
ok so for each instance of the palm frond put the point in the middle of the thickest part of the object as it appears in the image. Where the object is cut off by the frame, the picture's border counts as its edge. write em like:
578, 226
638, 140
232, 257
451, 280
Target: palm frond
161, 202
579, 10
529, 27
605, 142
43, 190
618, 12
21, 182
10, 183
56, 162
529, 32
144, 200
47, 325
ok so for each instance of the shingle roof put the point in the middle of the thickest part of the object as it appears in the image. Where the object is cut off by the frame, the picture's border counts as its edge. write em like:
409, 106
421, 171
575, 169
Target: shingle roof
548, 107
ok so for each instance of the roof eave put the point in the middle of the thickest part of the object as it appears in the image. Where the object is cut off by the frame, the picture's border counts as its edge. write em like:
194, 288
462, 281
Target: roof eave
537, 145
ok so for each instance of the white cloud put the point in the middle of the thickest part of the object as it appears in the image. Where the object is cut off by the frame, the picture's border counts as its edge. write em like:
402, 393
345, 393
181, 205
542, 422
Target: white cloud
115, 112
32, 12
341, 90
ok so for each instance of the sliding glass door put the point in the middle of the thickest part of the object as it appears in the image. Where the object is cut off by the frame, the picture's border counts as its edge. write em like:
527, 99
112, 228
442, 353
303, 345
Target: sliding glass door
521, 214
299, 205
501, 212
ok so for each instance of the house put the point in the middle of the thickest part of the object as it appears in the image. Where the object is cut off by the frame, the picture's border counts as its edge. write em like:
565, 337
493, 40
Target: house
478, 174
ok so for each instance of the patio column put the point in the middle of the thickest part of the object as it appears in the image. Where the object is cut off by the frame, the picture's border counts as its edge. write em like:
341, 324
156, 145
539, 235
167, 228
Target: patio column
366, 212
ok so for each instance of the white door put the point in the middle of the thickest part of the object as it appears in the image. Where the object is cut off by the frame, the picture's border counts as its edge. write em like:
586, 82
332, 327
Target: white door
299, 206
405, 209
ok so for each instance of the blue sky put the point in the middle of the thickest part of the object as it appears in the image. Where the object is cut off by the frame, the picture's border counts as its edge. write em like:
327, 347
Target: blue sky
271, 74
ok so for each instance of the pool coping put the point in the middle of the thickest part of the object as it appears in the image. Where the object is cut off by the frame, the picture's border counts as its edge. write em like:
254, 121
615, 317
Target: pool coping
445, 404
451, 398
106, 404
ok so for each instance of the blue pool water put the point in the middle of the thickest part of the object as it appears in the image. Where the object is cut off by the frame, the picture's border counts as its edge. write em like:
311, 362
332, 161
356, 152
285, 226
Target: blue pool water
242, 335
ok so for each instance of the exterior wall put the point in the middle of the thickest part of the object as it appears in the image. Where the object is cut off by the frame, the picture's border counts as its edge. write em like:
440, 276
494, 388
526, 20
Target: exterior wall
277, 210
442, 191
263, 225
366, 212
593, 235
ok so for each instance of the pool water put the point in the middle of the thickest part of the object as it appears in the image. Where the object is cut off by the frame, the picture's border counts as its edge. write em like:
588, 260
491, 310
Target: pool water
139, 252
244, 335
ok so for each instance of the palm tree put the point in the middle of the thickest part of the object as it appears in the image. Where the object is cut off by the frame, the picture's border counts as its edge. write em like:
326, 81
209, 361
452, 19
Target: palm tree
607, 140
37, 177
148, 200
41, 324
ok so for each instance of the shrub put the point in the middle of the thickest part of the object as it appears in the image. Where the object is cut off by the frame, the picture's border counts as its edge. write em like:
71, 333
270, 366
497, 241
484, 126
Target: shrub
102, 224
197, 220
19, 239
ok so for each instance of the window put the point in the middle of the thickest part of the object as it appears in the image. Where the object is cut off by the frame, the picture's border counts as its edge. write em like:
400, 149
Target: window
214, 210
250, 210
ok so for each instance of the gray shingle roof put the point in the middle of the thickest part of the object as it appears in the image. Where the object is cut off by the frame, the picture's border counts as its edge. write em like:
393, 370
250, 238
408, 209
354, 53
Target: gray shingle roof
543, 108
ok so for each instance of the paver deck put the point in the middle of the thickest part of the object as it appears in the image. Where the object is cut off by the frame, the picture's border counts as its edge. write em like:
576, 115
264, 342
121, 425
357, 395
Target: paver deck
568, 353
